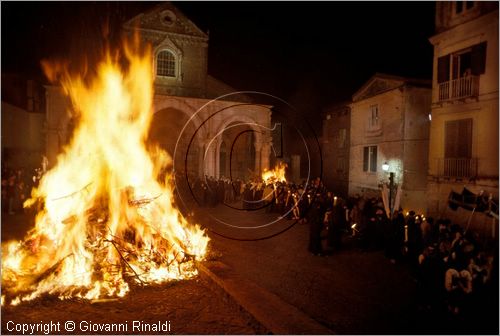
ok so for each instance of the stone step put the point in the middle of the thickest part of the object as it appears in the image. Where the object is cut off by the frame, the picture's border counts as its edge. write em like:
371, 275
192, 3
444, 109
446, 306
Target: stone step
273, 313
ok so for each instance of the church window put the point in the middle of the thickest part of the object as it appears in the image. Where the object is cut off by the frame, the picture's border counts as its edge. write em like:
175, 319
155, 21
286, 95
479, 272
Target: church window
165, 64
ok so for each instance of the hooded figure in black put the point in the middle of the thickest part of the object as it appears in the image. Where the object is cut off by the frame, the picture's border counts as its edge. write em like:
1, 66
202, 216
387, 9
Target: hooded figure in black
315, 217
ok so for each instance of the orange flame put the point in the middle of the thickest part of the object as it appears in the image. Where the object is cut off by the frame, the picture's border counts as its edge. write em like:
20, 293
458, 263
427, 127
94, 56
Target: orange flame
107, 219
275, 175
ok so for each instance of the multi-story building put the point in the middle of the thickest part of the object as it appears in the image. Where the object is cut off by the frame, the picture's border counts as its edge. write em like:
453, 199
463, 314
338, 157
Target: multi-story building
335, 147
390, 124
464, 139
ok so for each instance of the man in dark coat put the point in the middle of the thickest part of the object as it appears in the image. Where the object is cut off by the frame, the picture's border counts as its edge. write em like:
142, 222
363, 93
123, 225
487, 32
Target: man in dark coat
337, 225
315, 217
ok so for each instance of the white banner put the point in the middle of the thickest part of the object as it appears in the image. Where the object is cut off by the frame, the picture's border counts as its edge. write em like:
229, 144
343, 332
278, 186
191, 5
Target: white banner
385, 199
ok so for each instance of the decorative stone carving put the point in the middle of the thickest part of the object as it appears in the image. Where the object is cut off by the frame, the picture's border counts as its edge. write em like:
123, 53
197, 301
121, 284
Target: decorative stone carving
166, 18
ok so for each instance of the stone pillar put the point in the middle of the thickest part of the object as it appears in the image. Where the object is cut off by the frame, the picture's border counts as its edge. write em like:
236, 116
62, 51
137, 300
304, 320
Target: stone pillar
264, 159
217, 160
210, 158
201, 162
258, 148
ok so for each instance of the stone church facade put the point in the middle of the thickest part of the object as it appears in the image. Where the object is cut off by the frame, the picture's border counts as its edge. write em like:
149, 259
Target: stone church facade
207, 127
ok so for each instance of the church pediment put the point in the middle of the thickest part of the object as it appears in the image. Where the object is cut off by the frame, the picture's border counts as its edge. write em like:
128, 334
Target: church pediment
376, 85
168, 19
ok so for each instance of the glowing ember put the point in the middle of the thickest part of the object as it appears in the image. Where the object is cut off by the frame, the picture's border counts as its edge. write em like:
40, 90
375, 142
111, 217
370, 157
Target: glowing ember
275, 175
107, 218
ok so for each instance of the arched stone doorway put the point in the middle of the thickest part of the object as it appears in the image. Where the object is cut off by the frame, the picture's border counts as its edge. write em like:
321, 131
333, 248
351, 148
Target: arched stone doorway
237, 152
165, 129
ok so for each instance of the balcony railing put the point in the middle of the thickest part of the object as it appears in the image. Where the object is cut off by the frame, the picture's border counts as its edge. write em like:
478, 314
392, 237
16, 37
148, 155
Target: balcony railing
459, 88
457, 167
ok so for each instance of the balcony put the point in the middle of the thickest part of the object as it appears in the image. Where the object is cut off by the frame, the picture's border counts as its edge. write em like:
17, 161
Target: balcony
459, 88
457, 167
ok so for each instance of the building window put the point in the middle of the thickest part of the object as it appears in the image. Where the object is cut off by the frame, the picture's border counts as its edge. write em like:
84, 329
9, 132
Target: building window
458, 73
463, 63
370, 159
165, 64
341, 164
458, 161
462, 7
342, 134
458, 139
374, 117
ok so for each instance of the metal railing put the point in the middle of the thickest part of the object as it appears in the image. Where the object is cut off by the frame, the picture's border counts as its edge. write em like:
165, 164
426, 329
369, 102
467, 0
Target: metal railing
459, 88
457, 167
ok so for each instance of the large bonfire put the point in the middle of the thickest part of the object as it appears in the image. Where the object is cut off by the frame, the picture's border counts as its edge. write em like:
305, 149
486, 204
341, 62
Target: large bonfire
106, 217
275, 175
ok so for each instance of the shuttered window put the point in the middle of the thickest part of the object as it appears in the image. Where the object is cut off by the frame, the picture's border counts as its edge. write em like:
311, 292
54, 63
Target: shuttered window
342, 135
365, 159
472, 59
478, 59
444, 69
458, 138
373, 158
370, 159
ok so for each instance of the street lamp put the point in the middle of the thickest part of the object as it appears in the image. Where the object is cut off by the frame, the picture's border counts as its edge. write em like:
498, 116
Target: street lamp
385, 167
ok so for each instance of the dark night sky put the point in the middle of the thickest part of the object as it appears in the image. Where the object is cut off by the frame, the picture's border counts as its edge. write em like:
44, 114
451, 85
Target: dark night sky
311, 53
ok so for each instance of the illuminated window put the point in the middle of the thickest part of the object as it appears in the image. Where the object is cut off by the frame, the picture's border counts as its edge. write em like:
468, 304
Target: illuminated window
370, 159
165, 64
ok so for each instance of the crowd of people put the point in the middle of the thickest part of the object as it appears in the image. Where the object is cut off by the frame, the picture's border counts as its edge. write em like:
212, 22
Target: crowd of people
451, 265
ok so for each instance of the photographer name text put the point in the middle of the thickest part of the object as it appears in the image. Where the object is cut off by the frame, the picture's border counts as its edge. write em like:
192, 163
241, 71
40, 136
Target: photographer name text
86, 326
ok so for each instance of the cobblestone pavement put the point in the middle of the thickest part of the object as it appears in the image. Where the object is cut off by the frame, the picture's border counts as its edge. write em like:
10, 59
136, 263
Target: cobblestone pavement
350, 292
188, 306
